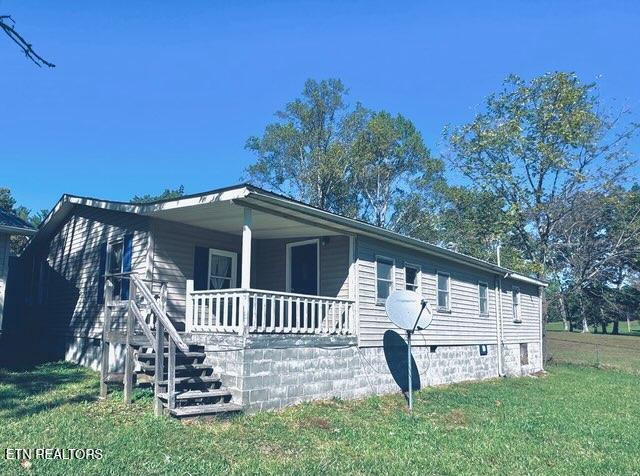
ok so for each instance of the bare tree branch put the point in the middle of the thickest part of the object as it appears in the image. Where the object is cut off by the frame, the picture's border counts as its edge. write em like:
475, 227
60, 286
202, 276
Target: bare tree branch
7, 24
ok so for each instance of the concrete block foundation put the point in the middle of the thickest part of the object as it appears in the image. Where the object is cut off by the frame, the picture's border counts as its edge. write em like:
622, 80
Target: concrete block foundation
266, 372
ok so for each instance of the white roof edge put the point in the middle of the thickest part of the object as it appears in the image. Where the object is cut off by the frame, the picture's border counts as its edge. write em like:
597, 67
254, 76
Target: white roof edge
247, 192
393, 237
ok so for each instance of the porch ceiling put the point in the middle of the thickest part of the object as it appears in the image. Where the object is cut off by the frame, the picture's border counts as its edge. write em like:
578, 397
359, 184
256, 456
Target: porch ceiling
228, 217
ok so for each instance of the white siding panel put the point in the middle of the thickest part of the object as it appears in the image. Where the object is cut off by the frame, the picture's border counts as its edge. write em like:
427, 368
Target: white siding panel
73, 255
463, 325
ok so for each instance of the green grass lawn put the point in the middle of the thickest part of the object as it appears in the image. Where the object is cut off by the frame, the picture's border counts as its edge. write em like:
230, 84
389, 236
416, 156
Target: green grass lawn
575, 420
605, 350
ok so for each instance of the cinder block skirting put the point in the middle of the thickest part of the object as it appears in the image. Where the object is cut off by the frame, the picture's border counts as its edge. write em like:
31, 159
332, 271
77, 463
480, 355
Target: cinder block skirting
273, 371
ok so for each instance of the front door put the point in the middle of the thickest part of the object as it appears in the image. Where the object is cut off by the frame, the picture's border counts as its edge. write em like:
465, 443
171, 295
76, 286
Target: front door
303, 267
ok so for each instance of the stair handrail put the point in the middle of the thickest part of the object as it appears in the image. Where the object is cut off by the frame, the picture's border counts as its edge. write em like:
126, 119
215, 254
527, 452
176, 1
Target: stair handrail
161, 315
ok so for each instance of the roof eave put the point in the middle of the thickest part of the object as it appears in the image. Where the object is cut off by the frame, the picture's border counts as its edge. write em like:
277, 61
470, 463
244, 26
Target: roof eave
393, 237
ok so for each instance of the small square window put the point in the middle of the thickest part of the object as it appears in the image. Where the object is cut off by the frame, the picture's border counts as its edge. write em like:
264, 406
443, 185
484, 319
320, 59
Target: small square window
515, 293
412, 278
524, 354
384, 278
444, 290
483, 299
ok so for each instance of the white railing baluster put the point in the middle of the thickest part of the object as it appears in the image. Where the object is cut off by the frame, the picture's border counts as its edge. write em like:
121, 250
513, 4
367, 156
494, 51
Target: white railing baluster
219, 324
272, 314
232, 310
263, 313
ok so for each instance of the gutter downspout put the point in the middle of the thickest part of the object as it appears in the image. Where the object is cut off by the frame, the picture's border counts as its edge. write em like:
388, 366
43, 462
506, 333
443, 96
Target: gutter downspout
500, 327
541, 296
498, 293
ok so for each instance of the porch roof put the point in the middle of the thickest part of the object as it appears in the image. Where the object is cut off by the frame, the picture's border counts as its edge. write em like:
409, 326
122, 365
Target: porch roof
274, 216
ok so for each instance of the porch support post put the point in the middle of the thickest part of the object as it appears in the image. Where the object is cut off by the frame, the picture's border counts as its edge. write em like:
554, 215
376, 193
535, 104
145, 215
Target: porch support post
246, 268
246, 249
353, 286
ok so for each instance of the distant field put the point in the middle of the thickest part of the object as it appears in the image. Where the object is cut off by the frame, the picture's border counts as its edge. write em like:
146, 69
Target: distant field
612, 351
623, 329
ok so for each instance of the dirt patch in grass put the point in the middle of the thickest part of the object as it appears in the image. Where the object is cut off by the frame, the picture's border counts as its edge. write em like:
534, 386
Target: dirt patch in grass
457, 418
316, 422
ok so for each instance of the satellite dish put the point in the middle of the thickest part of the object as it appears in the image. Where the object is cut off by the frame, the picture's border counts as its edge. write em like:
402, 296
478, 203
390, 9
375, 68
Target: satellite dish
408, 310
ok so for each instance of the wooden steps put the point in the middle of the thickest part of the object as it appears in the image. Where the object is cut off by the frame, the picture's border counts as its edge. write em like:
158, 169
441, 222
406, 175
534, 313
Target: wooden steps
198, 390
179, 368
204, 410
198, 394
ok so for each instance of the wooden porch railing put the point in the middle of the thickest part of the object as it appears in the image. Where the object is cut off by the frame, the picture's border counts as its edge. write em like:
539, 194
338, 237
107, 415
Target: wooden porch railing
260, 311
155, 333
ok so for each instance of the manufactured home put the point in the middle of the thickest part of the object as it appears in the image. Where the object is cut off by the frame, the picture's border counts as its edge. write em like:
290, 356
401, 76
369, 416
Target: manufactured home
242, 299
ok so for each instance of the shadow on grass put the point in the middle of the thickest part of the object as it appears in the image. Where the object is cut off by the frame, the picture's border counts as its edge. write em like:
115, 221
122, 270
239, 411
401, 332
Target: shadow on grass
29, 392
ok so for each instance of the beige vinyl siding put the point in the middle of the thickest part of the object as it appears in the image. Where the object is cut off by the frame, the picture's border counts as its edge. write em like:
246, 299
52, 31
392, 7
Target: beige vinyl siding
269, 265
172, 258
463, 325
529, 329
73, 256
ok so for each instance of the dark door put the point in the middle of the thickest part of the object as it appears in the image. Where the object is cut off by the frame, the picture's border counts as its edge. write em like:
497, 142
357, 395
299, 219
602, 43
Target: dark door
303, 268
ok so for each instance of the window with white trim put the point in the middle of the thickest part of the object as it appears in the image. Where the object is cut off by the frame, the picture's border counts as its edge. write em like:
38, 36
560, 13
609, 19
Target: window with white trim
444, 291
384, 278
222, 269
412, 277
515, 295
115, 265
483, 298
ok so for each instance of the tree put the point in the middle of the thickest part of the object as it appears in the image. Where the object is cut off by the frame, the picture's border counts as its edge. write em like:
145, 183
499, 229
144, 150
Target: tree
390, 161
7, 24
348, 160
306, 153
596, 245
168, 194
8, 203
537, 145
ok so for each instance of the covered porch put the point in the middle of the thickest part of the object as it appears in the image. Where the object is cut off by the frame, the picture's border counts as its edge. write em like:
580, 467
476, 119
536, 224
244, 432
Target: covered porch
255, 270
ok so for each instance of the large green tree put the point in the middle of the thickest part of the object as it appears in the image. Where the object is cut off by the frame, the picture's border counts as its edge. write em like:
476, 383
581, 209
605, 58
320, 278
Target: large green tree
389, 163
538, 144
348, 160
306, 153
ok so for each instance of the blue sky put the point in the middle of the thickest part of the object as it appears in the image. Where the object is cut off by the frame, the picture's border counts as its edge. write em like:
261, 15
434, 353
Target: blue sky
149, 95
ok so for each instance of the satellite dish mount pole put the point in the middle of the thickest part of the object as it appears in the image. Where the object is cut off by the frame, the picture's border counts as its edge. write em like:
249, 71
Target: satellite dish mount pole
409, 369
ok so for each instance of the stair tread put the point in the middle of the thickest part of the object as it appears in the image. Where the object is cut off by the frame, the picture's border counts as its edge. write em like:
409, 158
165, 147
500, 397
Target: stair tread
193, 394
178, 367
205, 379
152, 355
193, 410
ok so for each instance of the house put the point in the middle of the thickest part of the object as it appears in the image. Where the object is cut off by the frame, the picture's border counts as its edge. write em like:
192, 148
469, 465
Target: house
10, 225
257, 301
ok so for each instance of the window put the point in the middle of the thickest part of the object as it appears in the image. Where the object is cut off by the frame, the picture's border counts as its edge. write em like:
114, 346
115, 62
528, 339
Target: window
115, 266
515, 293
444, 290
524, 354
483, 298
222, 269
384, 278
412, 277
